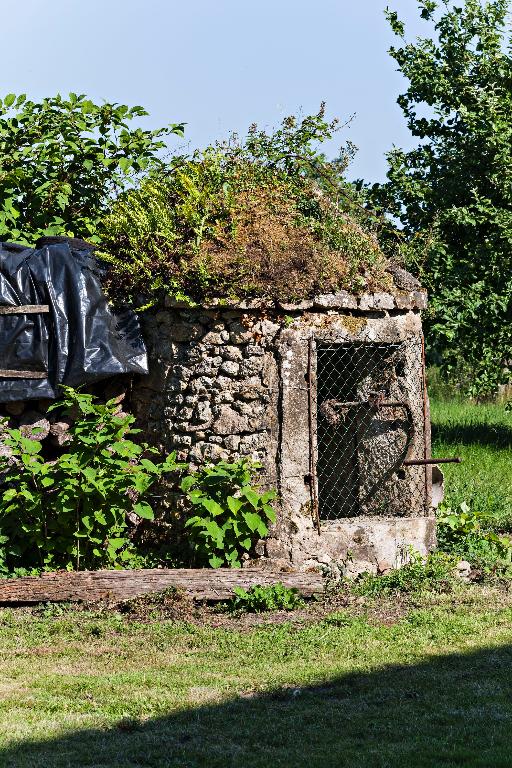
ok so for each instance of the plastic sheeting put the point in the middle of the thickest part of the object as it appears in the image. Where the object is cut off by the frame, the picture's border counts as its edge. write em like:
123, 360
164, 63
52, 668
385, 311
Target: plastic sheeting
80, 340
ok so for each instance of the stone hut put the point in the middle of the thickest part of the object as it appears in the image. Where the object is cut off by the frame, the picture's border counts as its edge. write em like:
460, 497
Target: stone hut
328, 394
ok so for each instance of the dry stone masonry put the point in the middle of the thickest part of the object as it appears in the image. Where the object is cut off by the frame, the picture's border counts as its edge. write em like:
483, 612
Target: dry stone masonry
245, 380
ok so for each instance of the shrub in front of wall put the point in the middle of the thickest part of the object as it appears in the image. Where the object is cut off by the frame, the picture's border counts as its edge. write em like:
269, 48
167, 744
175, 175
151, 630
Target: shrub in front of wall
73, 512
434, 573
229, 515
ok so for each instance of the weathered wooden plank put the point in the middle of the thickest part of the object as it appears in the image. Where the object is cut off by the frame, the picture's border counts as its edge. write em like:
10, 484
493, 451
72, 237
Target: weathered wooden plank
7, 373
25, 309
202, 584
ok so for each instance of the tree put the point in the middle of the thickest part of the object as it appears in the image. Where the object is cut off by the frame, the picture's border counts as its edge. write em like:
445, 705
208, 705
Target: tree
453, 192
62, 160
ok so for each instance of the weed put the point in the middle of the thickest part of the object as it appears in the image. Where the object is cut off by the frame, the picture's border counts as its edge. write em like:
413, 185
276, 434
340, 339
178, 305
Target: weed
257, 599
435, 573
468, 534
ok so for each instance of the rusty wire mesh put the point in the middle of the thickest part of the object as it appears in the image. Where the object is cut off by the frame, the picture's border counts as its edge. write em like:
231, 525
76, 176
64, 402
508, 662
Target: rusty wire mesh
370, 417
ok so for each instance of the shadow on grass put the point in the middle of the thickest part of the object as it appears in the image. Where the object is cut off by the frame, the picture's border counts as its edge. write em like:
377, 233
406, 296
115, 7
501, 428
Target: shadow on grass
494, 435
450, 711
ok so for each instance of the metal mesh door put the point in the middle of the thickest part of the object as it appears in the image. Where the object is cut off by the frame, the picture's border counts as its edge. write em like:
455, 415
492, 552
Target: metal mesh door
369, 419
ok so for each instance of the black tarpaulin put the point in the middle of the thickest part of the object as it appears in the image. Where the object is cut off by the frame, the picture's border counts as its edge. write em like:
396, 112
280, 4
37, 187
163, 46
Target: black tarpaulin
77, 338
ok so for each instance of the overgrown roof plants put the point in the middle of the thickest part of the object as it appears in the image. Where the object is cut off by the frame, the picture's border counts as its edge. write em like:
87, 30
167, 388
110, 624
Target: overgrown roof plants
264, 216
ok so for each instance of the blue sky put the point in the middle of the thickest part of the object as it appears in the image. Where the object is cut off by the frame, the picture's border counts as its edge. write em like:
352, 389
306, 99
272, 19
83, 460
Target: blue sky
218, 65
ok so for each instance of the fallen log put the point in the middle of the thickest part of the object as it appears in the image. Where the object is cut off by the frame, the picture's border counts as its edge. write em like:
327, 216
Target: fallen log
200, 583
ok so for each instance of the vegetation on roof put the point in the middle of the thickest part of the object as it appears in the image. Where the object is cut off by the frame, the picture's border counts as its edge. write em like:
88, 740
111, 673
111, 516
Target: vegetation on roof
264, 216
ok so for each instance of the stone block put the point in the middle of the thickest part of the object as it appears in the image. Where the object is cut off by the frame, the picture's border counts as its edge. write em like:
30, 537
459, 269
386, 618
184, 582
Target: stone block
383, 301
404, 299
212, 338
298, 306
339, 300
229, 422
420, 299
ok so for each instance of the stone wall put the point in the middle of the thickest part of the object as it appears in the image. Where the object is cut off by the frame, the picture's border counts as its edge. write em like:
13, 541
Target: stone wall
227, 381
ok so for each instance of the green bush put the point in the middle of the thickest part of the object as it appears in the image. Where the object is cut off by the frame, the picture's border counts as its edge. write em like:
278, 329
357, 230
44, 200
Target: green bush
257, 599
62, 161
230, 513
71, 512
433, 573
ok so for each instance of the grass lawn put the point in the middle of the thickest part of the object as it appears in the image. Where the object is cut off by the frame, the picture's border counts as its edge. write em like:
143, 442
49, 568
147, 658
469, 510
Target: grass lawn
424, 681
430, 688
482, 436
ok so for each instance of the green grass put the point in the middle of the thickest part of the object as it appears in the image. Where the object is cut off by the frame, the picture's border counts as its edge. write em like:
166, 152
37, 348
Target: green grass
432, 689
482, 436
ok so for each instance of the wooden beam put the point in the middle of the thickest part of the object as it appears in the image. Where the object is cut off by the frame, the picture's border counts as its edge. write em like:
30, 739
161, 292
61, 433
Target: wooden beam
200, 583
7, 373
25, 309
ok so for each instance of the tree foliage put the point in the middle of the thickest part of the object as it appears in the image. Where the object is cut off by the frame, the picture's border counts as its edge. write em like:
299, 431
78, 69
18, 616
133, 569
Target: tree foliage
62, 161
453, 192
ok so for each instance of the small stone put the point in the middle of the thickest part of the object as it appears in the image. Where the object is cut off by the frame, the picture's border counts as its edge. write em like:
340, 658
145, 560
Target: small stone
222, 383
239, 334
254, 350
295, 306
232, 353
181, 414
208, 366
268, 328
232, 442
229, 367
253, 442
60, 431
201, 385
212, 338
207, 452
203, 412
181, 441
463, 570
34, 426
251, 367
249, 394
